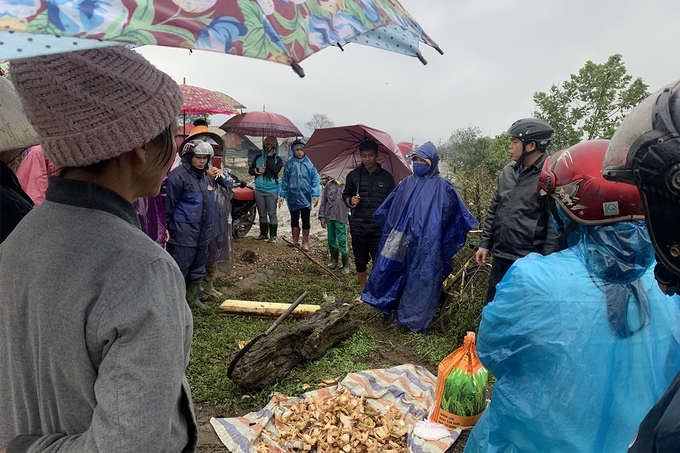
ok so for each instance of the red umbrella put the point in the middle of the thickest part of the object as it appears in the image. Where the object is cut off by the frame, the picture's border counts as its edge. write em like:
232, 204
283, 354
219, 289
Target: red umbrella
405, 147
201, 100
261, 124
334, 151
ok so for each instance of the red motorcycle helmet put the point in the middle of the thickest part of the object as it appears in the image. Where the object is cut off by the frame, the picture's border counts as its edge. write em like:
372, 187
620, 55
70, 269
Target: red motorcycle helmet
573, 178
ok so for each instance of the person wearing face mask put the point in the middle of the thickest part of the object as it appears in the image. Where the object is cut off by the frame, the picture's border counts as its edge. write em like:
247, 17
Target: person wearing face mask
424, 223
582, 342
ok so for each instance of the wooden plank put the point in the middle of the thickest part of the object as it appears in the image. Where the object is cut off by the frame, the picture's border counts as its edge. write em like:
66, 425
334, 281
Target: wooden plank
232, 307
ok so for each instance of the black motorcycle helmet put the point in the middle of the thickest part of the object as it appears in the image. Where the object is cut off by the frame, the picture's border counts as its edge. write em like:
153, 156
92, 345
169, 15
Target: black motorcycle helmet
645, 151
531, 130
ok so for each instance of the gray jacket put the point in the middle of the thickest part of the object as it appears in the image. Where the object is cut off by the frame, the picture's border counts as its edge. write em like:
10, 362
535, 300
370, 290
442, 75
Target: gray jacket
94, 331
518, 221
332, 207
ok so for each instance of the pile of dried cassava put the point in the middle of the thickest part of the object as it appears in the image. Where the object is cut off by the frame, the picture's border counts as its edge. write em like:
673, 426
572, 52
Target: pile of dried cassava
342, 423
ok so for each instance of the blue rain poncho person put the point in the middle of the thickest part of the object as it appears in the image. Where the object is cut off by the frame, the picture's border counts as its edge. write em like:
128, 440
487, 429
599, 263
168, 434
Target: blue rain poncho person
424, 223
301, 188
582, 342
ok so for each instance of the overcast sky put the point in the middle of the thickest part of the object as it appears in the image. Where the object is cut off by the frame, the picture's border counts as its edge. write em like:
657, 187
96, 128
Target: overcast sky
497, 53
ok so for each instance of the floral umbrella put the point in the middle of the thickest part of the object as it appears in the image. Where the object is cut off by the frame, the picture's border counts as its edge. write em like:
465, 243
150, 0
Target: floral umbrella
231, 100
284, 31
201, 100
261, 124
334, 151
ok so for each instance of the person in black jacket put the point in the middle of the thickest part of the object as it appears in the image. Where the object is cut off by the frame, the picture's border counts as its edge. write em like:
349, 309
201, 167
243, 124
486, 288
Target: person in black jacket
366, 188
645, 151
518, 221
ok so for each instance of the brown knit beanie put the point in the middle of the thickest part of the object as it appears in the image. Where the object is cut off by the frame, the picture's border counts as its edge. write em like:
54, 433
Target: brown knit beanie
93, 105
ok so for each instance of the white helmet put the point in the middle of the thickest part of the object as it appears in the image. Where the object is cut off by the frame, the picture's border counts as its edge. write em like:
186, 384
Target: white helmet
198, 148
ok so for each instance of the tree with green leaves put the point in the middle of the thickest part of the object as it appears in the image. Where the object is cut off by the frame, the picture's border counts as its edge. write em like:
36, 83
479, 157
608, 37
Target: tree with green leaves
319, 121
469, 148
591, 104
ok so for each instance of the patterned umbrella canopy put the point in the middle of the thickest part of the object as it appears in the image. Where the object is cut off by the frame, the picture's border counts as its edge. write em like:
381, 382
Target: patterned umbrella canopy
261, 124
201, 100
283, 31
231, 100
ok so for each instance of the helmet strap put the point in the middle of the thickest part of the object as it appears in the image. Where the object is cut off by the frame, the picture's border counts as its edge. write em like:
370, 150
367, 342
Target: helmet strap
525, 153
563, 231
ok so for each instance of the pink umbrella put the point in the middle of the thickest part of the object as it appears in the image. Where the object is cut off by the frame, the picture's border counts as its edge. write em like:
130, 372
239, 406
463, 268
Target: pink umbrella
334, 151
405, 148
201, 100
261, 124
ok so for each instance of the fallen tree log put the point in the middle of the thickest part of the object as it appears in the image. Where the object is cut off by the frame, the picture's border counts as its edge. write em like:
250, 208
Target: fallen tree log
263, 309
275, 355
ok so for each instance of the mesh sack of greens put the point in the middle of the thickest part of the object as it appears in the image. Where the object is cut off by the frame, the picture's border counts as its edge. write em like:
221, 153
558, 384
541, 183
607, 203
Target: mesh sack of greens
461, 387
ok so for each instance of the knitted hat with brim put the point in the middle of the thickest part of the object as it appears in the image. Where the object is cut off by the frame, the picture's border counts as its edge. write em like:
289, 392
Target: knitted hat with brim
93, 105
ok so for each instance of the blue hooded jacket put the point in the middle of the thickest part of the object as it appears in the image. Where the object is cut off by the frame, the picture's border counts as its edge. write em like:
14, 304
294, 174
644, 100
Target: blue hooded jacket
300, 183
189, 205
582, 344
424, 223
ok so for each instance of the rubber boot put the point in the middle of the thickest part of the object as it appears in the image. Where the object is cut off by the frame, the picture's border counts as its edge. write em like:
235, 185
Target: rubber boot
272, 232
305, 240
334, 258
193, 287
363, 277
207, 284
295, 233
345, 263
264, 227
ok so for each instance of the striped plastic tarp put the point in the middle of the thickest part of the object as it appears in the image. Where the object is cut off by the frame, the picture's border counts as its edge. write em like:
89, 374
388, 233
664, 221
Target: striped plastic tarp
411, 388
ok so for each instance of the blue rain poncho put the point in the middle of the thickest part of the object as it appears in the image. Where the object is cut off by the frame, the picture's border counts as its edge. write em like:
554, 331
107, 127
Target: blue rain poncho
300, 183
582, 344
424, 223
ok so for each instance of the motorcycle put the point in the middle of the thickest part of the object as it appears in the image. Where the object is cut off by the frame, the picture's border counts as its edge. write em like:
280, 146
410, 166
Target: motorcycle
243, 209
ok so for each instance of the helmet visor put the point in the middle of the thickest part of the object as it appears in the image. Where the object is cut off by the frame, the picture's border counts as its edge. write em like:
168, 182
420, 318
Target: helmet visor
617, 163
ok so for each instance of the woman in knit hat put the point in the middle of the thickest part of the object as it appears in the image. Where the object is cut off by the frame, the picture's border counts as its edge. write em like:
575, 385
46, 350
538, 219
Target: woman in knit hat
96, 341
266, 170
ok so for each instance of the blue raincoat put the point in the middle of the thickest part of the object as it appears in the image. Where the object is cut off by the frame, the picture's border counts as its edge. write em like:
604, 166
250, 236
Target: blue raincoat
300, 183
582, 344
424, 223
189, 205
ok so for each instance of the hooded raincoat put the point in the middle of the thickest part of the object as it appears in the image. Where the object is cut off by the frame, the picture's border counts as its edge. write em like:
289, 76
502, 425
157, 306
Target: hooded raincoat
300, 183
189, 205
582, 344
424, 223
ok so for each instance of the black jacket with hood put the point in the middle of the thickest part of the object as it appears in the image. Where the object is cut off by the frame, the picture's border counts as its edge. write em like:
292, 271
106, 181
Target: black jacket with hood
518, 221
